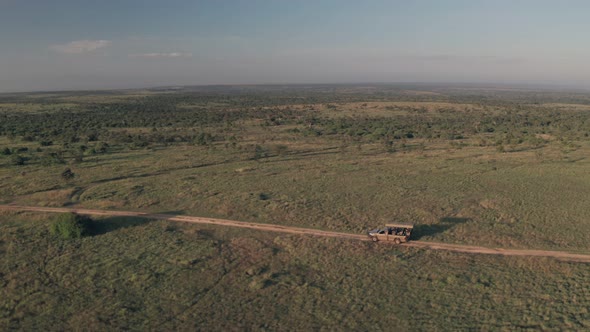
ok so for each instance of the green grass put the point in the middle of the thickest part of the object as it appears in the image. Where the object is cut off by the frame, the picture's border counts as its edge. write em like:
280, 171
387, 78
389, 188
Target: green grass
503, 199
158, 275
155, 275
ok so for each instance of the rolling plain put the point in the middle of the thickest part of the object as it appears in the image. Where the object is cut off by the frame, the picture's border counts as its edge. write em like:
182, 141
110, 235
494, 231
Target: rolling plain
492, 167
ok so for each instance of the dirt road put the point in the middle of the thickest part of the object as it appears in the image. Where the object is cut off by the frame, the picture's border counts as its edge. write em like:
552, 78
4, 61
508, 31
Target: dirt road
561, 255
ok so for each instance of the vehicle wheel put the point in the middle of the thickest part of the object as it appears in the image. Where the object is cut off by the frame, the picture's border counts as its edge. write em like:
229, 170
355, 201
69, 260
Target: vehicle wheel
374, 239
397, 241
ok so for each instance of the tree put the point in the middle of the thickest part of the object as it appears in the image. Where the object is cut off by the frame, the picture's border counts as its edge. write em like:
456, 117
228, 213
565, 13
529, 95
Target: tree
70, 226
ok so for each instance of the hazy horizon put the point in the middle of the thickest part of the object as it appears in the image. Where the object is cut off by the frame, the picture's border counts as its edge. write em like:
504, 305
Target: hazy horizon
84, 45
426, 86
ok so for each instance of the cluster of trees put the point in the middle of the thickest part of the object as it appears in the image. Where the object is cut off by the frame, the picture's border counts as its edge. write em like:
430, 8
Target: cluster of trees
512, 126
204, 117
106, 122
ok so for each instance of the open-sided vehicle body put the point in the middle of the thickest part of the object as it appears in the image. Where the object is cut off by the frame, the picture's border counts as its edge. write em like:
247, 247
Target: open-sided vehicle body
395, 232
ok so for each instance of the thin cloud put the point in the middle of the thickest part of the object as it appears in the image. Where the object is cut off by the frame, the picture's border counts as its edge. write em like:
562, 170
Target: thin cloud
384, 55
80, 46
464, 58
162, 55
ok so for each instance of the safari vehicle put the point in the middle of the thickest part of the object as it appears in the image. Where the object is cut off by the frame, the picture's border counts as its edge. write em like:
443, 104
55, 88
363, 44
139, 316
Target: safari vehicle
398, 233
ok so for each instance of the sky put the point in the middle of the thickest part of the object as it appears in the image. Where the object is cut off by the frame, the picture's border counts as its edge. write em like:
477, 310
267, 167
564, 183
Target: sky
80, 44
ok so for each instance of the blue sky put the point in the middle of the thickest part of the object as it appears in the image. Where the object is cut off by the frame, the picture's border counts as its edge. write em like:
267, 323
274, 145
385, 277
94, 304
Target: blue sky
67, 44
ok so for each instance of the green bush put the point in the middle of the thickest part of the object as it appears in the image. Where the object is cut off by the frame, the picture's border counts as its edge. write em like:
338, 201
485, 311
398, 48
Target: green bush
70, 226
18, 160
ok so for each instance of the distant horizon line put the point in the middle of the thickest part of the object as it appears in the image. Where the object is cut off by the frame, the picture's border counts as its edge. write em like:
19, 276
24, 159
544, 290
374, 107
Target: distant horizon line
513, 85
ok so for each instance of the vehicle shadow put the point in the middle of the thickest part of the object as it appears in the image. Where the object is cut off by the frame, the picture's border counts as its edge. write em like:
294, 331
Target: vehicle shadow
443, 225
173, 213
111, 224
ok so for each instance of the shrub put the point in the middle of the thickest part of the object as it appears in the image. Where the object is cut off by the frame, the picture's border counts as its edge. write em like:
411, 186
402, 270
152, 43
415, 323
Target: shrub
203, 139
259, 152
67, 174
102, 147
18, 160
70, 226
279, 149
78, 156
50, 158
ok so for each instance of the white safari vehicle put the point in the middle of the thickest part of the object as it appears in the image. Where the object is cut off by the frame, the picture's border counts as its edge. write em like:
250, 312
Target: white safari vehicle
397, 233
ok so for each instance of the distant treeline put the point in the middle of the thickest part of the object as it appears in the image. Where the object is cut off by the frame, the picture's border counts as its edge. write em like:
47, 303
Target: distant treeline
202, 119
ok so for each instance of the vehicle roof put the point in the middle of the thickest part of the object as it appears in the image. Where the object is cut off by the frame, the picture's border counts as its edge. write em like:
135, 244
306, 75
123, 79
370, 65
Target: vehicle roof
400, 224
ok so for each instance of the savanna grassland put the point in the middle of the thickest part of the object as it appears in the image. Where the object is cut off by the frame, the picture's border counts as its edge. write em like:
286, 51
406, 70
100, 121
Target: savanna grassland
491, 167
